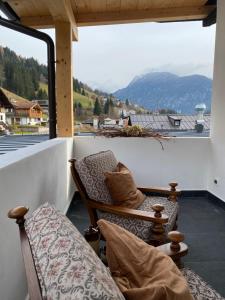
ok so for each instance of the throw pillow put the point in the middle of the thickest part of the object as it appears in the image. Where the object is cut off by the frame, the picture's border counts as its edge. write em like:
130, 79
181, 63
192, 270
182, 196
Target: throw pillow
122, 187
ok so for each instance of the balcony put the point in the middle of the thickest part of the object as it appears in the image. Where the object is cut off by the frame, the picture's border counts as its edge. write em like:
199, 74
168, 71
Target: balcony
29, 178
40, 173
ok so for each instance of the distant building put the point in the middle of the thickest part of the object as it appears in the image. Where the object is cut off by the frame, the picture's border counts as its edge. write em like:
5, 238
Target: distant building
43, 104
173, 124
17, 110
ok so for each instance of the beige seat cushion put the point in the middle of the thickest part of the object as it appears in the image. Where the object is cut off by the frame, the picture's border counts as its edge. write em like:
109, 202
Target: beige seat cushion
141, 271
122, 187
143, 228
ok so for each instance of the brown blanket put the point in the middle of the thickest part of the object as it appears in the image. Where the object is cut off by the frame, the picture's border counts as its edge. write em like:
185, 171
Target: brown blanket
141, 271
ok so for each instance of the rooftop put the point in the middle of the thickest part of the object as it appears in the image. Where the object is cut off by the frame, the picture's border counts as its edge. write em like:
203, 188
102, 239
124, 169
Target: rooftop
162, 122
15, 142
15, 101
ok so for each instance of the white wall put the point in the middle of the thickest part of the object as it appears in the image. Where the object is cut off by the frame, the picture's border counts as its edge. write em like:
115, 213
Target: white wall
185, 160
217, 158
29, 177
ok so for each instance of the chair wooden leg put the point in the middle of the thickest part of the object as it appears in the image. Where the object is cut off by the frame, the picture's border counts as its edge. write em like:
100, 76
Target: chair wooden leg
175, 224
93, 216
158, 236
173, 194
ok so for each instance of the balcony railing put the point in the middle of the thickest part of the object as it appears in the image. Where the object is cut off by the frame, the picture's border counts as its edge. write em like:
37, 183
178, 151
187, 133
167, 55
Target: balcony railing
40, 173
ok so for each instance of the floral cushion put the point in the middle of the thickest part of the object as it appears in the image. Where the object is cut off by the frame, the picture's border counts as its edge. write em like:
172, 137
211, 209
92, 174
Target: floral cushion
91, 170
199, 289
143, 228
66, 265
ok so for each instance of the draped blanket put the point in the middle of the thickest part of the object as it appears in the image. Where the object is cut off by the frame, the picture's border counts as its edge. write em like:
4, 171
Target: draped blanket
142, 272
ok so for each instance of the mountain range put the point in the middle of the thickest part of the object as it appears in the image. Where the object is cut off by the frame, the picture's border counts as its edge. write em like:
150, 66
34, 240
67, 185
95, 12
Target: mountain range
164, 90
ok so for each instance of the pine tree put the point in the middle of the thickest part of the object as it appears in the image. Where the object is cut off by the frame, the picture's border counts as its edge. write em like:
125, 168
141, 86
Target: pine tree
127, 102
97, 108
106, 107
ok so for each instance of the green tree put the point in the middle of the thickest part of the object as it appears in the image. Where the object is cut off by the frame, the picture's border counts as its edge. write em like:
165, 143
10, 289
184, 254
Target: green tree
97, 108
41, 94
106, 107
78, 107
127, 102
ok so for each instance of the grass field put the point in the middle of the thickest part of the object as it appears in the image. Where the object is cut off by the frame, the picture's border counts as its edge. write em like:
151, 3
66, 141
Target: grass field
86, 101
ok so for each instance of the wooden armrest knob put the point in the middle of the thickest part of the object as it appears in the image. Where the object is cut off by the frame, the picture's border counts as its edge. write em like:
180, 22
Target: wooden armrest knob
72, 160
157, 208
176, 237
18, 214
173, 185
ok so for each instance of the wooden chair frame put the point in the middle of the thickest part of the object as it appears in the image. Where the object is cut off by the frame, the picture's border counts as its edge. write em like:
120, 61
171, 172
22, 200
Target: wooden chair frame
176, 249
157, 217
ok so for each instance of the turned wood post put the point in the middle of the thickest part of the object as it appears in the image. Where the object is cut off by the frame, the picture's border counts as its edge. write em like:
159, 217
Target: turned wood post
173, 192
178, 249
34, 290
158, 231
18, 214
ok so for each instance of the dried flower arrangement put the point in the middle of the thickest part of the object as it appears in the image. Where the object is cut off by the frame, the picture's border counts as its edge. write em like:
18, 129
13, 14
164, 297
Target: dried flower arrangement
132, 131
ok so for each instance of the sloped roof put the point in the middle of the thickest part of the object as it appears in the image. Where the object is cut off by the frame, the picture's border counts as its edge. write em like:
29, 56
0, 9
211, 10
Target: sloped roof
161, 122
16, 101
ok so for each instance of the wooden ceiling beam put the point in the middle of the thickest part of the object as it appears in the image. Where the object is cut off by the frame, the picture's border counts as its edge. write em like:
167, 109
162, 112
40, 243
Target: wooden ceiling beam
41, 22
147, 15
61, 11
154, 15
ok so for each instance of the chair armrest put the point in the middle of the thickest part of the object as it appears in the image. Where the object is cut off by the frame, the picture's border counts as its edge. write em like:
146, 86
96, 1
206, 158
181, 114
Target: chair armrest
161, 190
171, 191
156, 217
176, 248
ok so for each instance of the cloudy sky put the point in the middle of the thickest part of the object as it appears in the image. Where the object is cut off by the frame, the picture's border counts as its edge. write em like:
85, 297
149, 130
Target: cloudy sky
109, 57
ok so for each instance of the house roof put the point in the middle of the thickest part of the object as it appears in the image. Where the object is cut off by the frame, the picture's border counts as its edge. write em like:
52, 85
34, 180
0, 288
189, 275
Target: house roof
161, 122
16, 101
44, 14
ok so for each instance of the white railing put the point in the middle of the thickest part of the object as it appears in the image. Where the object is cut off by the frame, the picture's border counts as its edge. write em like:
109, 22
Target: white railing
185, 160
29, 177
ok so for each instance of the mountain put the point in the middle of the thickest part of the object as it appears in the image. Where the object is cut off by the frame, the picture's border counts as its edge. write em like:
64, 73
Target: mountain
164, 90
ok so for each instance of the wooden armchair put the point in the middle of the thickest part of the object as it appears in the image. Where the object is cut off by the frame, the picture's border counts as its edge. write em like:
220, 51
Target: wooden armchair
149, 222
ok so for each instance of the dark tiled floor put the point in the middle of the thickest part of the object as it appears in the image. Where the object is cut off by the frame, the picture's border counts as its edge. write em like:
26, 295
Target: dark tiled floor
203, 223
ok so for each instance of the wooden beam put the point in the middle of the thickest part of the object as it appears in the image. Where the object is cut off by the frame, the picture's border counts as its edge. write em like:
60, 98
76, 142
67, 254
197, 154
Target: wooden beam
147, 15
40, 22
61, 10
64, 82
210, 19
70, 15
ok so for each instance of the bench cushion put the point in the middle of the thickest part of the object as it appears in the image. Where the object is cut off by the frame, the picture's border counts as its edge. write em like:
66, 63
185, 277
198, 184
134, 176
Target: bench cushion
66, 265
91, 170
199, 289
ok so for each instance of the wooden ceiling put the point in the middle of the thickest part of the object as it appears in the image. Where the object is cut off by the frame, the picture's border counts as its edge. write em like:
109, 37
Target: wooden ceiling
44, 13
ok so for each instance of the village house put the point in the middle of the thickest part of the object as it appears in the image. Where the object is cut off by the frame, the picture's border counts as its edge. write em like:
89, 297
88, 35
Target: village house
15, 110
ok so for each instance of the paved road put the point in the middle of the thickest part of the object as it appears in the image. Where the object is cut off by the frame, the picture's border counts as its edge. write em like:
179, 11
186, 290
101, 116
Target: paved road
12, 143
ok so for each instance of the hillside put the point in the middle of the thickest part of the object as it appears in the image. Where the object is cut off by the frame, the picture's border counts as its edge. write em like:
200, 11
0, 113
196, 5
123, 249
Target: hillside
27, 78
86, 101
163, 90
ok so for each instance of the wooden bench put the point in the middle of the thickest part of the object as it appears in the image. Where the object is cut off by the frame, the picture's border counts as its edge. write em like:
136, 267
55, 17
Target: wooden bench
176, 249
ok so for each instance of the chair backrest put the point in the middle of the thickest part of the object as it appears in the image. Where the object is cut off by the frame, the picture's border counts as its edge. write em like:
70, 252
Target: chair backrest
91, 170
